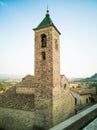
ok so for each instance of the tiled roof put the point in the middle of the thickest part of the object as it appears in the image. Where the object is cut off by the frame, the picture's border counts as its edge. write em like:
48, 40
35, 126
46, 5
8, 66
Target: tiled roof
10, 99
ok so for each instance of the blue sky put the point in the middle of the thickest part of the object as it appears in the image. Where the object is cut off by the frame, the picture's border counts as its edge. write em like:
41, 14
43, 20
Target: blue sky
75, 19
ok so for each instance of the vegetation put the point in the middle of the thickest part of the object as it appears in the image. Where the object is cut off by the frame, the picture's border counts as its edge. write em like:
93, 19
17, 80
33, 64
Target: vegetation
6, 84
88, 83
90, 79
93, 85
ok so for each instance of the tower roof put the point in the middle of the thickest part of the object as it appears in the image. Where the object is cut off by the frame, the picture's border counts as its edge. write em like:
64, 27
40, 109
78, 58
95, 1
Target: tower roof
46, 22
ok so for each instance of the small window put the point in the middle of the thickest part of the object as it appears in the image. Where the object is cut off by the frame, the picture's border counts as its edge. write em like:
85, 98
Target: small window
86, 100
43, 40
64, 86
75, 101
43, 56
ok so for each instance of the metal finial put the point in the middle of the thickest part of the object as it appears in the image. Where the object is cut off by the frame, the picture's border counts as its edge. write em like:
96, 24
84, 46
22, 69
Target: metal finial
47, 12
47, 7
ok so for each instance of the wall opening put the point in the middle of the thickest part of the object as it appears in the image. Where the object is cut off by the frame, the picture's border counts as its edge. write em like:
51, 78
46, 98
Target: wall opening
64, 86
43, 55
43, 40
75, 101
86, 100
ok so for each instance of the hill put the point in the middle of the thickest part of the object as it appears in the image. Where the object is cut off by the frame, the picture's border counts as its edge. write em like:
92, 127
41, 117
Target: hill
10, 76
93, 78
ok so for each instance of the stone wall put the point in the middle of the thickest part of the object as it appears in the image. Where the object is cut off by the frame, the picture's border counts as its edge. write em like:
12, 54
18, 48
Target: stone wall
26, 90
78, 121
56, 57
43, 107
43, 68
13, 119
63, 101
64, 83
63, 106
26, 86
81, 99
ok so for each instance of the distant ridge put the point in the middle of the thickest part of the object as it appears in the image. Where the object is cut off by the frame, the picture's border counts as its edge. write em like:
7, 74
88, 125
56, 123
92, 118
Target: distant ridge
10, 76
93, 78
74, 79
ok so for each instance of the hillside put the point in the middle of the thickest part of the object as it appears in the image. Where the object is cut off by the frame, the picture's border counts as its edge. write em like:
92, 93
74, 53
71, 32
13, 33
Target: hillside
10, 76
93, 78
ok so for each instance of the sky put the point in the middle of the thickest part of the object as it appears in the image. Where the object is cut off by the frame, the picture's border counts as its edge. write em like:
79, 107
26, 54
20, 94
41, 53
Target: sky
75, 19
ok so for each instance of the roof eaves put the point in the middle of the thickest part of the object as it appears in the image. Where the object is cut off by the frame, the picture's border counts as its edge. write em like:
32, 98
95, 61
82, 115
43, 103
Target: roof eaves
47, 26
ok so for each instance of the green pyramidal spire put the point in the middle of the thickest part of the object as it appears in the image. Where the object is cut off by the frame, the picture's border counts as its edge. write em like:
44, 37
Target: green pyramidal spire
46, 22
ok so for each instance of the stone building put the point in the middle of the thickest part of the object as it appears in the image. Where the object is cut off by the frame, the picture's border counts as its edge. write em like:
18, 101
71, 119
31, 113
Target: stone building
45, 95
83, 97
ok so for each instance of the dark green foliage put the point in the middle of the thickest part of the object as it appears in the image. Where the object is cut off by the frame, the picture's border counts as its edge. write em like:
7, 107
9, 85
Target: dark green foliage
90, 79
91, 85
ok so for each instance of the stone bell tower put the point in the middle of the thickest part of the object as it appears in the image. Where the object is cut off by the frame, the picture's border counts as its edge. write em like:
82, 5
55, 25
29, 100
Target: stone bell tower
47, 53
47, 71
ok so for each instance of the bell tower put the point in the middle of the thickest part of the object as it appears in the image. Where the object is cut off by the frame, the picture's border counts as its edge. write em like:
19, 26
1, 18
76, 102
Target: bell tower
47, 53
47, 71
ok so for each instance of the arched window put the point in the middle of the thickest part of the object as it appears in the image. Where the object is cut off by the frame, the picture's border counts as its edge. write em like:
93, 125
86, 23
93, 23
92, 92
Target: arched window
43, 40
